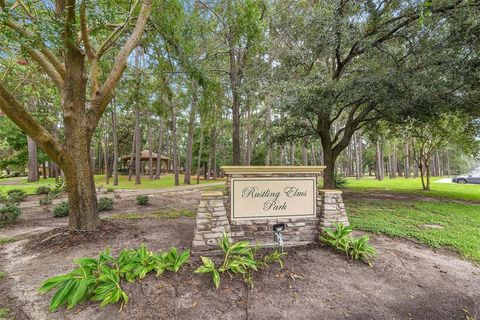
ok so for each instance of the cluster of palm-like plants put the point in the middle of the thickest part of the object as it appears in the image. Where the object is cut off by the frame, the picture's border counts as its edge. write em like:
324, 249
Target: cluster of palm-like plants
100, 279
340, 238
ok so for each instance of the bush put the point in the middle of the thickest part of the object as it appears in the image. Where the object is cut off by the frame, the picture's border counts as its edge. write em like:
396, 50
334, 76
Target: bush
9, 214
45, 200
15, 196
61, 209
340, 181
110, 190
43, 190
105, 204
142, 200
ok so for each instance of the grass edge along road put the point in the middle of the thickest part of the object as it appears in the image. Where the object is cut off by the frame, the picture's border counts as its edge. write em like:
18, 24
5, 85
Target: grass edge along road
454, 191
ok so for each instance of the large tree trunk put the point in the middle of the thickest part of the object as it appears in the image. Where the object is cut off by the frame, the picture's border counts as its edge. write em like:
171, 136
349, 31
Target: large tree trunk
115, 143
329, 159
191, 131
304, 155
379, 161
268, 139
150, 150
213, 153
32, 160
106, 154
138, 146
158, 172
199, 160
174, 145
407, 160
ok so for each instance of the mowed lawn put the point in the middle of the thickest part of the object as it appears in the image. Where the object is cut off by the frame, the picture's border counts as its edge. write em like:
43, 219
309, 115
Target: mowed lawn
443, 190
446, 218
438, 224
165, 181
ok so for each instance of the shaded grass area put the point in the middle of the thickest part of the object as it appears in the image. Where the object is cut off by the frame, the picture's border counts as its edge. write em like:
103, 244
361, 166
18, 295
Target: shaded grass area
165, 181
438, 224
469, 192
164, 214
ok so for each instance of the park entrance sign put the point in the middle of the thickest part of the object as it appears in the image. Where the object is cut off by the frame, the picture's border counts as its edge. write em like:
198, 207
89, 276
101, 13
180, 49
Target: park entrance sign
257, 198
276, 197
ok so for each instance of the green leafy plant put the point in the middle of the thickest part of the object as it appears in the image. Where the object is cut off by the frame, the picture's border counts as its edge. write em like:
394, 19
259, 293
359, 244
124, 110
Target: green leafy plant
108, 288
100, 279
15, 196
9, 214
61, 209
239, 258
105, 204
143, 200
356, 248
173, 260
340, 181
43, 190
79, 285
109, 190
360, 249
338, 237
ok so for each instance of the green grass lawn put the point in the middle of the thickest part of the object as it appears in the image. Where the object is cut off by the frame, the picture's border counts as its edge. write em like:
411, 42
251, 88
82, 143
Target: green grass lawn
469, 192
166, 181
459, 223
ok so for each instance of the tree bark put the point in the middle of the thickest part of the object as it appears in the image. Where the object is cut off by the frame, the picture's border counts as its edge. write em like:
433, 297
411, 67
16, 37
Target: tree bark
199, 160
138, 146
115, 142
174, 144
304, 155
32, 160
158, 172
379, 161
106, 154
191, 131
329, 159
268, 139
150, 150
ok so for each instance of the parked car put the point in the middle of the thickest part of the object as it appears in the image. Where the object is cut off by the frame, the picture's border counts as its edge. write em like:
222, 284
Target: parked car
471, 178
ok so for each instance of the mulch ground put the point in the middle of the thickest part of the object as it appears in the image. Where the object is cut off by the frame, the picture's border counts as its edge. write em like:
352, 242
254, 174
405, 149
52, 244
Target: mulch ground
407, 280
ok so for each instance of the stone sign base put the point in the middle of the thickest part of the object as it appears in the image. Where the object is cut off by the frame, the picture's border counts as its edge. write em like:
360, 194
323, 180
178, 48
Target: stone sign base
213, 219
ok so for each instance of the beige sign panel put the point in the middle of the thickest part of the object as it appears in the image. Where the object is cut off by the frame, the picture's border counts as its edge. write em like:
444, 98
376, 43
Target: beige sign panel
270, 198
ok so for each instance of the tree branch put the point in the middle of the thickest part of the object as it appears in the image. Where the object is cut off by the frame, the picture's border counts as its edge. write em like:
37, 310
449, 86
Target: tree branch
104, 95
19, 115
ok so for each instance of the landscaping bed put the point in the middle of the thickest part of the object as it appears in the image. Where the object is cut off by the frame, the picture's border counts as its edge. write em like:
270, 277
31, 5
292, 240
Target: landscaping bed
407, 280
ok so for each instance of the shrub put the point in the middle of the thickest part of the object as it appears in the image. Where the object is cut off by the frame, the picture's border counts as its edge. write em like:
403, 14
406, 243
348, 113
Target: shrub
100, 279
105, 204
109, 190
15, 196
9, 214
61, 210
356, 248
239, 258
45, 200
142, 200
43, 190
340, 181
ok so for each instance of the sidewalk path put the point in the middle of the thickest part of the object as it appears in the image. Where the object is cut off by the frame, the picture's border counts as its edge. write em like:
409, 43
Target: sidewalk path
128, 193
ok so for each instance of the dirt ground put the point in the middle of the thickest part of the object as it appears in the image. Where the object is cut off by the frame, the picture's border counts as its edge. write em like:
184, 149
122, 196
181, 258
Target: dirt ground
407, 280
